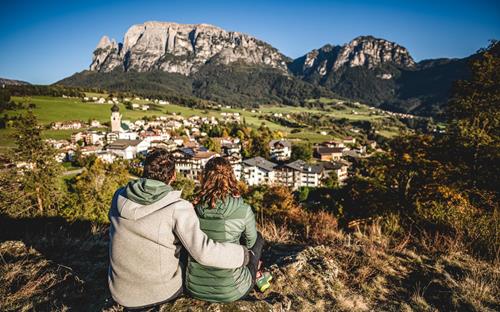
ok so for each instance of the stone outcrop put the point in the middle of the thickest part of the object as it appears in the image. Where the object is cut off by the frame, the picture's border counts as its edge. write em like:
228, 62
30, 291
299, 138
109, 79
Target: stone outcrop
181, 48
365, 51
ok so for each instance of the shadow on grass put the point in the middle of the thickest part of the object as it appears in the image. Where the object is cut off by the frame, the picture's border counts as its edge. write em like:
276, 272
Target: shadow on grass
81, 249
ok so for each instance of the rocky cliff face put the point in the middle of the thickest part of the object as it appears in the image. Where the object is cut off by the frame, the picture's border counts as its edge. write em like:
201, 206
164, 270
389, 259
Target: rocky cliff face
215, 62
364, 51
181, 48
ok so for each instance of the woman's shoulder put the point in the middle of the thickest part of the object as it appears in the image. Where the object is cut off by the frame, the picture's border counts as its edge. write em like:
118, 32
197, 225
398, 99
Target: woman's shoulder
237, 200
235, 205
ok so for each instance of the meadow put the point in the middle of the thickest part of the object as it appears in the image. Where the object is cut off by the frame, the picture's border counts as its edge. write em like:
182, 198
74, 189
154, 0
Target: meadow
51, 109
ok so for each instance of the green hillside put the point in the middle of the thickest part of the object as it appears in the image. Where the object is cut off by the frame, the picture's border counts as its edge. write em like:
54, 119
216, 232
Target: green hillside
236, 85
51, 109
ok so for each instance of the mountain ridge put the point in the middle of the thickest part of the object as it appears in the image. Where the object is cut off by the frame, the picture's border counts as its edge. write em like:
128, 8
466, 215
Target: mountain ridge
14, 82
182, 48
375, 71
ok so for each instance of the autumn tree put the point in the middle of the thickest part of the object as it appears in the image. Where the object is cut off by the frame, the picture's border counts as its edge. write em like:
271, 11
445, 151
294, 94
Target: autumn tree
472, 143
449, 181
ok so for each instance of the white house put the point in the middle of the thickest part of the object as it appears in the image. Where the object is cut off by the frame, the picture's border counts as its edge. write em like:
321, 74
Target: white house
236, 162
66, 125
329, 153
299, 173
349, 140
191, 161
340, 168
127, 149
106, 156
258, 170
128, 135
280, 150
95, 123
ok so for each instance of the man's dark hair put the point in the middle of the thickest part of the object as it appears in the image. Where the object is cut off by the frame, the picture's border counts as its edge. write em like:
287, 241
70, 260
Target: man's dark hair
159, 165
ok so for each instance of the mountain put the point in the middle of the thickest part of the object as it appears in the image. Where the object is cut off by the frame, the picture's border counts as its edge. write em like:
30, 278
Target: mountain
382, 73
182, 48
202, 61
12, 82
363, 51
207, 62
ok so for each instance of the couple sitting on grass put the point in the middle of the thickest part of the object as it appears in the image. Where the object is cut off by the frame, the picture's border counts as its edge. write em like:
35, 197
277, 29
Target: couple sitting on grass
161, 246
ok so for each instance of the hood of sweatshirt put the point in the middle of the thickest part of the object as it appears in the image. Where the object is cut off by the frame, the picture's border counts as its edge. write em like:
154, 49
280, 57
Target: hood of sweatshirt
223, 208
145, 196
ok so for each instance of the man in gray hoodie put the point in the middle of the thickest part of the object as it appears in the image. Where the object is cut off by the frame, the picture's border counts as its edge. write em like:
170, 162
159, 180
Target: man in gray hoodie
149, 225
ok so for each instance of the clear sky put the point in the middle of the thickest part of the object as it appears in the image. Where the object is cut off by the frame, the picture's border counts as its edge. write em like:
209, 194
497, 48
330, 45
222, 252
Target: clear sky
44, 41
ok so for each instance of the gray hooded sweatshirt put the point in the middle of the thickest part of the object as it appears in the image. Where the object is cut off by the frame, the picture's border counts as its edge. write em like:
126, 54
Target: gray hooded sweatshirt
149, 225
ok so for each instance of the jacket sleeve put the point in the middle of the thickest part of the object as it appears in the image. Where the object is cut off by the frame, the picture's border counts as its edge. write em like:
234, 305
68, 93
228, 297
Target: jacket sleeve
250, 228
204, 250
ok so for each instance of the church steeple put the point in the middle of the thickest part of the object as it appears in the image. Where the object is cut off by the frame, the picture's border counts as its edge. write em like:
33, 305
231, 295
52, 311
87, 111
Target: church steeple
116, 119
115, 108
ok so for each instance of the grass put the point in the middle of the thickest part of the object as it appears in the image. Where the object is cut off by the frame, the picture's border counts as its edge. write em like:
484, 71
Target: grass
311, 136
48, 264
389, 132
50, 109
7, 142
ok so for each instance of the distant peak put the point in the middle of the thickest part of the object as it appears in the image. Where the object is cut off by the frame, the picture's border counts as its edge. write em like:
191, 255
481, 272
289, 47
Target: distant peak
367, 37
182, 48
104, 42
158, 24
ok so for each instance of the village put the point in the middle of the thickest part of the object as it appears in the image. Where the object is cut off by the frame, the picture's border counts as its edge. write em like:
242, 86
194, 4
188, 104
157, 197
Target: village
128, 140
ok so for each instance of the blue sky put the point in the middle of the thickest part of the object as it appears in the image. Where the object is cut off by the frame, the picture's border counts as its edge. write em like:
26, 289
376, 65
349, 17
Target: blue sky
44, 41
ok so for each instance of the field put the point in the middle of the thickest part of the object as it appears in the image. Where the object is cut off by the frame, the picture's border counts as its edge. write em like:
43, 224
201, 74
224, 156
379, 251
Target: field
51, 109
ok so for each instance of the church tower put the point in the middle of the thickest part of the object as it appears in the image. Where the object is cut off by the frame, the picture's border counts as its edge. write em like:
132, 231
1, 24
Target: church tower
116, 119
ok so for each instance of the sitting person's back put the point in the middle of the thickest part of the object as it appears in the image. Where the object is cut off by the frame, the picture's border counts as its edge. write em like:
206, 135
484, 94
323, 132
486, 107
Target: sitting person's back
225, 217
150, 224
227, 222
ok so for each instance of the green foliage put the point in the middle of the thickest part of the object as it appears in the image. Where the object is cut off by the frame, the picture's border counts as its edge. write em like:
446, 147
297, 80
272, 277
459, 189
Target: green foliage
93, 189
236, 85
34, 189
258, 143
332, 180
212, 145
187, 186
30, 90
303, 194
4, 96
302, 151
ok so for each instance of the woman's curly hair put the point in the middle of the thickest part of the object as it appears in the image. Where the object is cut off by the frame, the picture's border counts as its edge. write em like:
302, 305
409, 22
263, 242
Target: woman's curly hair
217, 182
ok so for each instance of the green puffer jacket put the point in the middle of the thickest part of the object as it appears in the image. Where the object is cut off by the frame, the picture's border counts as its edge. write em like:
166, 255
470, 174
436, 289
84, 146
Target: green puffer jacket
227, 222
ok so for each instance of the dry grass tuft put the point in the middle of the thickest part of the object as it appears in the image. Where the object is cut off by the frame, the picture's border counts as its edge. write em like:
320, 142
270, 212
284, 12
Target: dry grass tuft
275, 233
31, 282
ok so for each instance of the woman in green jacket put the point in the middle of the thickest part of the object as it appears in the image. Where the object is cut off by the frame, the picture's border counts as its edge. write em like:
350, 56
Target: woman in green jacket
225, 217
